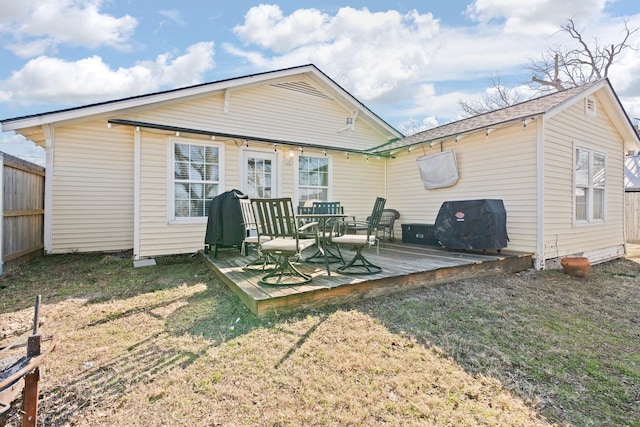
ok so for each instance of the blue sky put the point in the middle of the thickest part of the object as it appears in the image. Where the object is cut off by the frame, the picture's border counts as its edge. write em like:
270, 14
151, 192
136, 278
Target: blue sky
411, 62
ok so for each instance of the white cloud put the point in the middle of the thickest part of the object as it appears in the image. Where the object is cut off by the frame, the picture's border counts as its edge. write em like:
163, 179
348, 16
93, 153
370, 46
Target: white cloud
534, 17
371, 53
90, 79
174, 16
39, 26
266, 27
387, 58
19, 146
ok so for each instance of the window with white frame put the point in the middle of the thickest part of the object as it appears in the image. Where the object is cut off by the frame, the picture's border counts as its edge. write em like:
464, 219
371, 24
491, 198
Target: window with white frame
196, 178
313, 178
589, 185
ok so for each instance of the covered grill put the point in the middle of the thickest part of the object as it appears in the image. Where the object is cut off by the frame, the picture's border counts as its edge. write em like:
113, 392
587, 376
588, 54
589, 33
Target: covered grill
224, 224
472, 224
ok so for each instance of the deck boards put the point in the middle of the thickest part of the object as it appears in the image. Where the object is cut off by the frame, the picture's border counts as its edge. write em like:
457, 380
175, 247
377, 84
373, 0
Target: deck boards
404, 266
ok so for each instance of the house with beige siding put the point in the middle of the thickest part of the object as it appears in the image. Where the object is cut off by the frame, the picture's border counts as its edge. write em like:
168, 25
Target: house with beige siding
137, 173
556, 161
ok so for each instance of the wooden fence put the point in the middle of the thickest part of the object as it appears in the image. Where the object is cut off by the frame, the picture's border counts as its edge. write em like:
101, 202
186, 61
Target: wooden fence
22, 198
632, 214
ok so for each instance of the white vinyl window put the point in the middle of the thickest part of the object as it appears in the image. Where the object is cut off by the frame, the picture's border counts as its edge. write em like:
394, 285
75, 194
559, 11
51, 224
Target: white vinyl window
196, 178
313, 178
589, 185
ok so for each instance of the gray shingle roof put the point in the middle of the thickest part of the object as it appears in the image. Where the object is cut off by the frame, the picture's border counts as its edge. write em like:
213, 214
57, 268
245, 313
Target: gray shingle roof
521, 111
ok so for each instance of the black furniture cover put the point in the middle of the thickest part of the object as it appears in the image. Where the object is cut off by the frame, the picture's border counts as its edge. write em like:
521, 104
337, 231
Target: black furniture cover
224, 224
472, 224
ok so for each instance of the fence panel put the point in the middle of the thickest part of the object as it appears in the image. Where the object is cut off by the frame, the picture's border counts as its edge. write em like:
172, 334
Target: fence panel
22, 209
632, 215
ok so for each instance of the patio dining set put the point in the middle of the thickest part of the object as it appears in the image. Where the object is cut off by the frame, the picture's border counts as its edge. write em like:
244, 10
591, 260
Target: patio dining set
279, 233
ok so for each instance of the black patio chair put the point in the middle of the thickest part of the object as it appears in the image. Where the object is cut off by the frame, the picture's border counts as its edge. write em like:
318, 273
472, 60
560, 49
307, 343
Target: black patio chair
276, 219
253, 237
387, 223
359, 264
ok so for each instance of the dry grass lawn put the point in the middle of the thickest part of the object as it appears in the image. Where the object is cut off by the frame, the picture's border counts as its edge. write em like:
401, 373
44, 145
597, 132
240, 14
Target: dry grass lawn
170, 345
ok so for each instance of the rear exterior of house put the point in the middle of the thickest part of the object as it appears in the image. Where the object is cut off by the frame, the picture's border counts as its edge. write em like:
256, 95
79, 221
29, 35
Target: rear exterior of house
122, 175
559, 172
137, 173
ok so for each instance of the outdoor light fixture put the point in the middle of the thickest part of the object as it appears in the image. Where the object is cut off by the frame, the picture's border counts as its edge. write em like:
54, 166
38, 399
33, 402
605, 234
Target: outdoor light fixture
349, 120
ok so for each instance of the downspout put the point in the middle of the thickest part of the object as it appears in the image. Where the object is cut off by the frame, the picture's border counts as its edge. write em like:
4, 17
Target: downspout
540, 255
385, 177
49, 134
624, 203
136, 193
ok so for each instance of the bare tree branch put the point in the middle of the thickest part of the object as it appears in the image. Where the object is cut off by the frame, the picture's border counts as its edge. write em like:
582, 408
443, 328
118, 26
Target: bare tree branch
498, 96
584, 64
558, 68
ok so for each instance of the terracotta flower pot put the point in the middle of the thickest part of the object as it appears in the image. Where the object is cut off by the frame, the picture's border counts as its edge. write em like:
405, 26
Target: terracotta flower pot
576, 266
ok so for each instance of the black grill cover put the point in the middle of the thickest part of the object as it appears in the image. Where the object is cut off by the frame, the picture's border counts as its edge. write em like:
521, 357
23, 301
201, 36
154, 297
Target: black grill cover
472, 224
224, 225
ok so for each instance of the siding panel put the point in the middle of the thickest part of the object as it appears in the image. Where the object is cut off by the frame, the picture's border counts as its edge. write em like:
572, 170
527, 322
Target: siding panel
562, 235
512, 180
93, 189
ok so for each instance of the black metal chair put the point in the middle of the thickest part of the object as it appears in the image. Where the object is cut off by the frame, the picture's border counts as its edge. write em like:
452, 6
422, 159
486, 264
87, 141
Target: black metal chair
359, 264
387, 223
276, 219
253, 237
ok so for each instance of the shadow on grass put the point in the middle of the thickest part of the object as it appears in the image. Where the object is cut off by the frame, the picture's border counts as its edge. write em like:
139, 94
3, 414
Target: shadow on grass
568, 347
110, 381
96, 277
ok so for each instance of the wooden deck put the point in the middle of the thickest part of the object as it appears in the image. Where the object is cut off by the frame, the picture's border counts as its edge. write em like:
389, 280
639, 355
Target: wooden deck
404, 266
